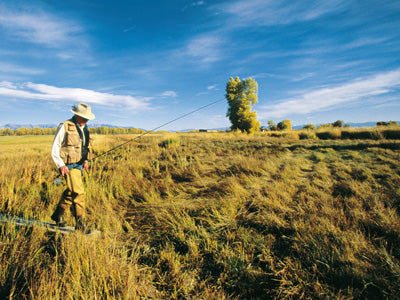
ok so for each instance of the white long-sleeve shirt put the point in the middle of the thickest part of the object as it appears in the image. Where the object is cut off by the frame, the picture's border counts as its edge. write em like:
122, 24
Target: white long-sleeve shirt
57, 142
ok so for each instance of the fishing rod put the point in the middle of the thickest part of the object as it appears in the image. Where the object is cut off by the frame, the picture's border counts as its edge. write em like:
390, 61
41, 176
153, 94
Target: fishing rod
154, 129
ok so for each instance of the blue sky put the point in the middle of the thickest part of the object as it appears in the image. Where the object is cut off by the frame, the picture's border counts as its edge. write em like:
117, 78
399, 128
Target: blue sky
142, 63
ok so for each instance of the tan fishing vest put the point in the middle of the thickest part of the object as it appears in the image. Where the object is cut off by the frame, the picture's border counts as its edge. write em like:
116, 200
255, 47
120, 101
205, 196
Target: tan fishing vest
71, 148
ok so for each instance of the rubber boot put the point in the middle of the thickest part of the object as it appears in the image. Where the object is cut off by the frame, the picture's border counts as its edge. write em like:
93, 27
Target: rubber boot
81, 225
57, 217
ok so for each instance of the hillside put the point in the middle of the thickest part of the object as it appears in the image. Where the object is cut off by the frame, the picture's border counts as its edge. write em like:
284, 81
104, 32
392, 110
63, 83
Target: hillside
208, 216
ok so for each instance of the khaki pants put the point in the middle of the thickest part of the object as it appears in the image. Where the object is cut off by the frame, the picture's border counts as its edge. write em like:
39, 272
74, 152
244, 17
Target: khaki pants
74, 194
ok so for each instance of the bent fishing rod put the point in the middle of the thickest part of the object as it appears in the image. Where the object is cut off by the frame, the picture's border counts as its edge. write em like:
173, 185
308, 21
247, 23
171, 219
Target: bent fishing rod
154, 129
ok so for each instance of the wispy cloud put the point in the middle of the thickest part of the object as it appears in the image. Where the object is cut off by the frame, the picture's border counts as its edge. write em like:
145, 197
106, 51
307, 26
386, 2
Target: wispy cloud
129, 29
7, 84
38, 27
209, 88
32, 91
197, 3
333, 97
169, 94
206, 48
11, 68
366, 41
273, 12
193, 4
210, 47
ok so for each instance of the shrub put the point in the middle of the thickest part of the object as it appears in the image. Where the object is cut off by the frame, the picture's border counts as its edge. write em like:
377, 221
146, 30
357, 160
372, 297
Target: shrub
390, 123
272, 126
291, 135
169, 142
338, 123
332, 134
362, 135
310, 127
285, 125
276, 134
307, 135
392, 134
325, 126
382, 123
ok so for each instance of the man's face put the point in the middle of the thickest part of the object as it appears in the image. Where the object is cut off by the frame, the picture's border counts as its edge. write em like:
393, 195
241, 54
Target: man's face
81, 121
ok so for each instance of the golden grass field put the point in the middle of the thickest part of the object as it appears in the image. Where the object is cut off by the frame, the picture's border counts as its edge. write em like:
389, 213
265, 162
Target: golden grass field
208, 216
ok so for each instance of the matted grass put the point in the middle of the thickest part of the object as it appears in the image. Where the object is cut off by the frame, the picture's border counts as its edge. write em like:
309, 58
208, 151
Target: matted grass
216, 216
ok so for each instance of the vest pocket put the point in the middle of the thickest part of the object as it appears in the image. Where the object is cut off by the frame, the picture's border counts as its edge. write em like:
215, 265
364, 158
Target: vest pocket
73, 139
71, 154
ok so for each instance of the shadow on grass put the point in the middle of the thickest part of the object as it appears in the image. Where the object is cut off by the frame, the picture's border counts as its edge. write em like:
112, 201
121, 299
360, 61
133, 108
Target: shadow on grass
360, 146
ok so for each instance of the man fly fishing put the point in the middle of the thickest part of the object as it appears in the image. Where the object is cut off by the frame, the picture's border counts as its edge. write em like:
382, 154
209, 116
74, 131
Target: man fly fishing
70, 154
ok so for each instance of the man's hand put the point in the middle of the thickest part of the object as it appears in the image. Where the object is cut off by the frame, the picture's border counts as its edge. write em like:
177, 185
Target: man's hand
64, 170
85, 166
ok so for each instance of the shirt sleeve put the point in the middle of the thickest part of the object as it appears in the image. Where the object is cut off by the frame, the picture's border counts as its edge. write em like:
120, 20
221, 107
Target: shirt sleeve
55, 149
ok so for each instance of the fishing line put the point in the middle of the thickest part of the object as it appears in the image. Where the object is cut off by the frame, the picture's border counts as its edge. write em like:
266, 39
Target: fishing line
154, 129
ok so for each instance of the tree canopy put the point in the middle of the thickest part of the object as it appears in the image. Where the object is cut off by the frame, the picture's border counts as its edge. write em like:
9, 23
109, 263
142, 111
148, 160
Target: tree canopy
285, 125
241, 96
272, 125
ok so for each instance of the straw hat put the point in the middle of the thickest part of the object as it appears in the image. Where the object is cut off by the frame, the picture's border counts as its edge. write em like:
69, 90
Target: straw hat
83, 110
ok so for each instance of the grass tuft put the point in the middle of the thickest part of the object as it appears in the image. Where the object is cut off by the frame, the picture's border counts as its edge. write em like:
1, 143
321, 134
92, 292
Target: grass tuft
311, 215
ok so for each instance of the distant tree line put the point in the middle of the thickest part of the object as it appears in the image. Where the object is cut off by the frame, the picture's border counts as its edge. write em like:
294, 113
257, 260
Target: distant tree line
336, 124
28, 131
52, 131
287, 125
283, 125
390, 123
114, 130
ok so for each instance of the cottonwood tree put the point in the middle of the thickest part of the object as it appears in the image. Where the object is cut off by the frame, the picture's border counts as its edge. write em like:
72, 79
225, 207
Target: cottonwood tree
241, 95
309, 126
271, 125
338, 123
285, 125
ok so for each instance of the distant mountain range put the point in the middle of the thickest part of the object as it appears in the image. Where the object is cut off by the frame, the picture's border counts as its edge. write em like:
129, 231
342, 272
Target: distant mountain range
16, 126
355, 125
365, 124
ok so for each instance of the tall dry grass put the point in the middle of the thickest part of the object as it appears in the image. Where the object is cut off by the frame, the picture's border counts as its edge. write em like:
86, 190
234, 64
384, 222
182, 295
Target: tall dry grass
208, 216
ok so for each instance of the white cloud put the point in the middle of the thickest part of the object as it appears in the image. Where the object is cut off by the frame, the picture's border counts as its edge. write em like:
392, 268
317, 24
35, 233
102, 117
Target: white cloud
272, 12
207, 48
7, 84
38, 27
32, 91
198, 3
212, 87
193, 4
169, 94
362, 42
211, 47
129, 29
8, 68
330, 98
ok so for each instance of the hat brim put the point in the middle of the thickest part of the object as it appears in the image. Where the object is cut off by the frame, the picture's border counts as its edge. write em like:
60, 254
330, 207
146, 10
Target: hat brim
89, 116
